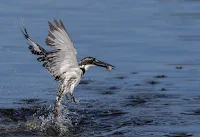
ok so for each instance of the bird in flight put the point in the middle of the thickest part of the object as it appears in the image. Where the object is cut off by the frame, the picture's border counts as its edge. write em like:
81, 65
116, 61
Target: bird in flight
61, 62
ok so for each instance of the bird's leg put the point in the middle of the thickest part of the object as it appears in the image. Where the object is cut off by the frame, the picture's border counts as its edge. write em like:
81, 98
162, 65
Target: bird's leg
68, 98
73, 99
58, 104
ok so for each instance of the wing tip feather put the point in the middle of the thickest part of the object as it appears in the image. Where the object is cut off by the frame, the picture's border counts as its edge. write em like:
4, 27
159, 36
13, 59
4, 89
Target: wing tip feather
25, 33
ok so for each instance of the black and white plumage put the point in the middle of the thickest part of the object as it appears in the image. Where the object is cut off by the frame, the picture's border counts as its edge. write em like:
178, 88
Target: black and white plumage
34, 47
61, 62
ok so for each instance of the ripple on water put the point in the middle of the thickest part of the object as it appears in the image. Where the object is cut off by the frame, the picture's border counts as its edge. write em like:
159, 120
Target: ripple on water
136, 121
19, 114
163, 89
192, 112
161, 76
85, 82
110, 90
97, 118
120, 76
31, 101
136, 100
179, 134
140, 99
111, 112
134, 73
153, 82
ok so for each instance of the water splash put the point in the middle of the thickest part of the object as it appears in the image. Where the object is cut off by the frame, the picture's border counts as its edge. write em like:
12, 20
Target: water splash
49, 126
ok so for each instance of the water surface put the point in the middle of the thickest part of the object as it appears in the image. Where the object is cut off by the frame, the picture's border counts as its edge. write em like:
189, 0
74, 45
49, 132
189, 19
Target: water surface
153, 92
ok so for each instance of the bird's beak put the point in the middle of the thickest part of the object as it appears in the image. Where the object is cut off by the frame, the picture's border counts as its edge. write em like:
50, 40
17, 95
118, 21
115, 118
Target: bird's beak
99, 63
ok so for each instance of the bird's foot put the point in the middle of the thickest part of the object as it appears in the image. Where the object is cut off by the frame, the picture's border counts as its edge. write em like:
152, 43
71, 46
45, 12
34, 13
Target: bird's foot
74, 99
71, 98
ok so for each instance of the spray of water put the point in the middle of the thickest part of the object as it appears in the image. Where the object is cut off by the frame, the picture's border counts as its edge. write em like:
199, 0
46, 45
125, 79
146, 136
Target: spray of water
49, 126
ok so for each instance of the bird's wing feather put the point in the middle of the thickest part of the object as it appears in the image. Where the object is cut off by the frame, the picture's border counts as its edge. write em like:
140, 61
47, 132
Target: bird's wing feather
59, 38
35, 48
63, 59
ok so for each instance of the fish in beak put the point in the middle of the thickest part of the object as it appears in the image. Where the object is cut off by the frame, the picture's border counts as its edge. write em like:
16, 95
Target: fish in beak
99, 63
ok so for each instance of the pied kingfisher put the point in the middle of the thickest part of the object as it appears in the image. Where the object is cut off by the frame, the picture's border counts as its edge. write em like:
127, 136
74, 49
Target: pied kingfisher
62, 62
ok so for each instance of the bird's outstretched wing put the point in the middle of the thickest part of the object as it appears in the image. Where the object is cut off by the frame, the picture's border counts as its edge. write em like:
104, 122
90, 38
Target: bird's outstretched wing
62, 61
35, 48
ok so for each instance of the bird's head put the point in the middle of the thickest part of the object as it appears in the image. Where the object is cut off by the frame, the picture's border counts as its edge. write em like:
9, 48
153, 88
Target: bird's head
89, 62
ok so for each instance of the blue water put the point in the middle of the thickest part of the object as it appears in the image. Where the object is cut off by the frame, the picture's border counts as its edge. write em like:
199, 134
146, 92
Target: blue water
143, 39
